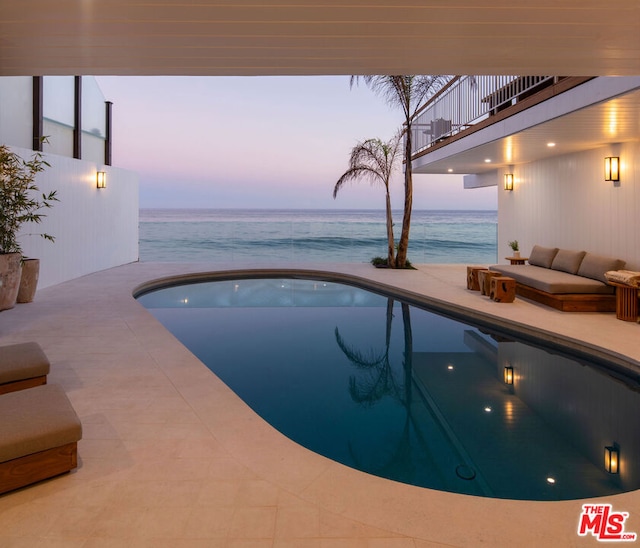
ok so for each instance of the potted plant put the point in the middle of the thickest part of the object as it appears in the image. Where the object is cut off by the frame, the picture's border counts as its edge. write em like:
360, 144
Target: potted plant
515, 248
20, 203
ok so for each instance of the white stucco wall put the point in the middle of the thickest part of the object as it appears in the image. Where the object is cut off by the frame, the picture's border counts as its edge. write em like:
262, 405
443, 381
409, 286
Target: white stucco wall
565, 202
93, 229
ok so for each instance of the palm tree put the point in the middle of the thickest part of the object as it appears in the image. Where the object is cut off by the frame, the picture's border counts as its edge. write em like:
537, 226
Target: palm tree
374, 160
409, 93
380, 379
377, 381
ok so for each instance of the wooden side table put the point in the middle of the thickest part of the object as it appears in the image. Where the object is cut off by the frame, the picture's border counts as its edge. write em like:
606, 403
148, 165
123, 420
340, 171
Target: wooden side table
503, 289
473, 283
517, 260
484, 280
626, 302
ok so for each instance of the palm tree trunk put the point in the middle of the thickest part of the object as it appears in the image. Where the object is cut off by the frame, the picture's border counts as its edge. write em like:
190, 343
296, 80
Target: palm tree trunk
408, 355
387, 339
403, 245
391, 260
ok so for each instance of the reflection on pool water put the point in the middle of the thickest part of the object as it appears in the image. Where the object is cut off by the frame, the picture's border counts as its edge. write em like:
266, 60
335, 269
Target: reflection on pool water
407, 394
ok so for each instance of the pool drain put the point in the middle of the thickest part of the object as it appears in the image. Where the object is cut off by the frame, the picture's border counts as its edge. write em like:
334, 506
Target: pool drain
465, 472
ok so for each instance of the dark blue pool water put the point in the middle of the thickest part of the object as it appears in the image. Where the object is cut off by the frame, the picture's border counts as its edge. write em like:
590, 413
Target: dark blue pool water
407, 394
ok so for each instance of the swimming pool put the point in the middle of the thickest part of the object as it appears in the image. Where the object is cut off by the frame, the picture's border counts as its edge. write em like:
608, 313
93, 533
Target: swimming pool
404, 393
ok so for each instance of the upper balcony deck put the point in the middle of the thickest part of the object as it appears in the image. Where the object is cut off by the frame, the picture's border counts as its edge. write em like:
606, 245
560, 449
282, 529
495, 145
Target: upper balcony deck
470, 103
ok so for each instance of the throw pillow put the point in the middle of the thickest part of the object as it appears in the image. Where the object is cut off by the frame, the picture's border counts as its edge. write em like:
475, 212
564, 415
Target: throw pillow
567, 260
594, 266
542, 256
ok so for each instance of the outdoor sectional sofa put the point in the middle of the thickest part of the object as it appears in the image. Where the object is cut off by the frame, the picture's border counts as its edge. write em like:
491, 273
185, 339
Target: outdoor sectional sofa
571, 281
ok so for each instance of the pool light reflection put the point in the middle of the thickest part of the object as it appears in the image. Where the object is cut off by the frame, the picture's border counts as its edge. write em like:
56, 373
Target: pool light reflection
509, 412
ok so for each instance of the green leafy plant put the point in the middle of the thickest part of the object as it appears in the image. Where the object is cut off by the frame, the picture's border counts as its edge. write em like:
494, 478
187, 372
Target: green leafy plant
382, 262
375, 160
20, 201
514, 245
379, 261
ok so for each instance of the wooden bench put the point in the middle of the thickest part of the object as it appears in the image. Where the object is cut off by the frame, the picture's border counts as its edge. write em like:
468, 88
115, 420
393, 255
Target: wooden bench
39, 432
22, 365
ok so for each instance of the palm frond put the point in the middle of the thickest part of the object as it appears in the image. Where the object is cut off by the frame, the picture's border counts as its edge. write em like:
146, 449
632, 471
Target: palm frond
372, 160
356, 357
355, 173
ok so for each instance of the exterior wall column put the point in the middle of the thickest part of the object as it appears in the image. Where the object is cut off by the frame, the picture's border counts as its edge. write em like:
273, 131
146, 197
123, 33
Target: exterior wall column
77, 118
37, 113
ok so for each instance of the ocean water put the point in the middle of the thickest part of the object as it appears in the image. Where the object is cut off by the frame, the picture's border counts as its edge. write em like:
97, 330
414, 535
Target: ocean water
355, 236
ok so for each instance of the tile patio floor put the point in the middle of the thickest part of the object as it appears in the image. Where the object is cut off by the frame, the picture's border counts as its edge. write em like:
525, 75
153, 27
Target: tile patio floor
172, 458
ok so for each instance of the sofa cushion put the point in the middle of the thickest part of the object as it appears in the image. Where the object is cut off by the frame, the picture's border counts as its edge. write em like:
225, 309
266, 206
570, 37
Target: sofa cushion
35, 420
22, 361
567, 260
542, 256
552, 281
594, 266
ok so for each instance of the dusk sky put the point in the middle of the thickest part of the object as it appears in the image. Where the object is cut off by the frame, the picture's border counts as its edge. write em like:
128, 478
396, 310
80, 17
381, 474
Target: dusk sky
260, 142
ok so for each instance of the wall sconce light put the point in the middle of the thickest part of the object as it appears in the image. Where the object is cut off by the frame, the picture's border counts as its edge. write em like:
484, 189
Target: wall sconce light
612, 168
508, 181
612, 458
101, 179
508, 375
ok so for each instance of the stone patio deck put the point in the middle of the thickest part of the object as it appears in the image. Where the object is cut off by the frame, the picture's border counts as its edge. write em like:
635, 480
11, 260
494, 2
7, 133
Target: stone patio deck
171, 457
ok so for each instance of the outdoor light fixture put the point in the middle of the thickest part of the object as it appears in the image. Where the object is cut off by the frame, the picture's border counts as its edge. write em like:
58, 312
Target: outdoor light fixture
508, 181
612, 459
612, 168
508, 375
101, 179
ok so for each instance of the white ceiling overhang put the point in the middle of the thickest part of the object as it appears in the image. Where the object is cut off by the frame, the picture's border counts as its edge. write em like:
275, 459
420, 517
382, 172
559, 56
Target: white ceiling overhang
301, 37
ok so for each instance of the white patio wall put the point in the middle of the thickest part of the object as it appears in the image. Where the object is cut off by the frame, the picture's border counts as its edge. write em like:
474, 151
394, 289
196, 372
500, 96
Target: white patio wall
565, 202
94, 229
